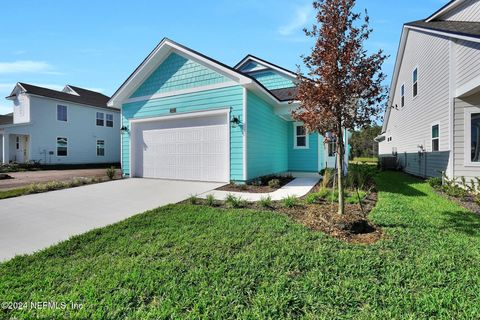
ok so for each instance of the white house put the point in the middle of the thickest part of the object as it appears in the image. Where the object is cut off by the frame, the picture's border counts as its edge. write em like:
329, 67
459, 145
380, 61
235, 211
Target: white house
73, 126
432, 124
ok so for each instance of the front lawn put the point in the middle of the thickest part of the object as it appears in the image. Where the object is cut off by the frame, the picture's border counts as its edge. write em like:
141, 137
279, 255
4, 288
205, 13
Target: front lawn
184, 261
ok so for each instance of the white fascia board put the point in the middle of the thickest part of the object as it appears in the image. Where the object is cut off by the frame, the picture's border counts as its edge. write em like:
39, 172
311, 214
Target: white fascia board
264, 63
112, 109
451, 6
182, 115
468, 88
445, 34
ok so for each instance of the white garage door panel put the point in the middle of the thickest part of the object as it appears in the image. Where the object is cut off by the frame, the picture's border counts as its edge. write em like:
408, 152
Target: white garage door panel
183, 149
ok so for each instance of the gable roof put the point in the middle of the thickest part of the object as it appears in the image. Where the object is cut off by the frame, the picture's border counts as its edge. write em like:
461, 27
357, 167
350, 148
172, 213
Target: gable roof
167, 46
444, 9
461, 28
6, 119
270, 65
83, 96
285, 94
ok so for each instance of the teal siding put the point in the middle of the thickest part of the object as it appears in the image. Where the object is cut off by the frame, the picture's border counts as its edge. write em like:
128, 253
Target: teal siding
272, 80
231, 97
303, 159
177, 73
266, 139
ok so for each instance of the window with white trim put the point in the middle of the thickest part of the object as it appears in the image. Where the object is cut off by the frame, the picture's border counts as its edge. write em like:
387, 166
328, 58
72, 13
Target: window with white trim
17, 143
475, 137
332, 148
415, 82
402, 92
300, 136
62, 147
100, 119
61, 113
436, 137
109, 120
100, 148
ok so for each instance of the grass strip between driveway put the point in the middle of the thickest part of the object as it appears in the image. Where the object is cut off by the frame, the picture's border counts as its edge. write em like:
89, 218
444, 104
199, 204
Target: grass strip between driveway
183, 261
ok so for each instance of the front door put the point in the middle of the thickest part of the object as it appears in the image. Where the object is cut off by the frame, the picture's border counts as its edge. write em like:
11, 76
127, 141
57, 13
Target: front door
21, 143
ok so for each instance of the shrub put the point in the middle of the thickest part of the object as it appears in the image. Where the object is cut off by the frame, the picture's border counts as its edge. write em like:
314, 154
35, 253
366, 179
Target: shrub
290, 201
210, 200
360, 176
311, 198
111, 172
265, 202
353, 198
95, 179
55, 185
328, 176
454, 191
274, 183
323, 193
36, 188
435, 183
193, 199
234, 202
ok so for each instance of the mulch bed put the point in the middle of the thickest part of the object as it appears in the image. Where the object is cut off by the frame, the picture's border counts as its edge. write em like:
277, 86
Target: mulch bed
467, 202
255, 188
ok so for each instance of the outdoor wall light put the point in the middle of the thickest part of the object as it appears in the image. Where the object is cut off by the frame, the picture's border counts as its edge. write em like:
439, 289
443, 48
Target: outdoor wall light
235, 121
123, 130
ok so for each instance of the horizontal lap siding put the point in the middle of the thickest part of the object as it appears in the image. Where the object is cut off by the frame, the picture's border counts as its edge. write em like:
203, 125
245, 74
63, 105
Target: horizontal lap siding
231, 97
459, 138
302, 159
266, 139
410, 126
428, 164
466, 53
467, 11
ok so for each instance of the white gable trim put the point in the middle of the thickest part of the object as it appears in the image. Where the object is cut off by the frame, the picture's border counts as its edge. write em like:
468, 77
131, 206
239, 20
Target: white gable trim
445, 10
266, 64
156, 57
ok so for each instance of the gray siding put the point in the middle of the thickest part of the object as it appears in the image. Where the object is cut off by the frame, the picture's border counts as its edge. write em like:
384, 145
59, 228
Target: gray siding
466, 53
467, 11
410, 126
459, 137
427, 164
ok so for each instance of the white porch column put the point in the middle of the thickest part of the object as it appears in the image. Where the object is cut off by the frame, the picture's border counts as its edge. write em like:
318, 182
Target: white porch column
5, 147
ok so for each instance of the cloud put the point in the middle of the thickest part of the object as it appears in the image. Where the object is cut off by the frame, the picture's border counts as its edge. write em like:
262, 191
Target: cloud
26, 66
300, 18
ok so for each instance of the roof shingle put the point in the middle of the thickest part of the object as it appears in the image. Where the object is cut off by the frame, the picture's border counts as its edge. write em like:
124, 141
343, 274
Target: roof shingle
464, 28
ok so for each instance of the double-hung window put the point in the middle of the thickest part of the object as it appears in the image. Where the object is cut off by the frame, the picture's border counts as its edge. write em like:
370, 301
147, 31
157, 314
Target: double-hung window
331, 148
100, 119
109, 120
415, 82
61, 113
300, 136
402, 91
474, 148
100, 148
436, 137
62, 147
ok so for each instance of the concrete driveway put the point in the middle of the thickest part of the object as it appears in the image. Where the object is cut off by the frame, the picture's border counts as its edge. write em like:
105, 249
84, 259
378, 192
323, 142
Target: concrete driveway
33, 222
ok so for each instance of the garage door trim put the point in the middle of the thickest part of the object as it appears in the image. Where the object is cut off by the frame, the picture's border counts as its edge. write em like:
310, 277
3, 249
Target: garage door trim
185, 115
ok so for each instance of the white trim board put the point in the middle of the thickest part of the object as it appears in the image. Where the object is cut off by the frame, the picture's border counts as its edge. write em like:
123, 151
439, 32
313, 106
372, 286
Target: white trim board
467, 113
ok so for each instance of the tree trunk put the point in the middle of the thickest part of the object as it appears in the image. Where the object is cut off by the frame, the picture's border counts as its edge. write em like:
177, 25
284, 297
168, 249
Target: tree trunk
340, 157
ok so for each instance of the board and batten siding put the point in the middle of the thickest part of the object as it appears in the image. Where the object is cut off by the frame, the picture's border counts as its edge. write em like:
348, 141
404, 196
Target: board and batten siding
466, 53
228, 97
410, 126
469, 172
266, 139
467, 11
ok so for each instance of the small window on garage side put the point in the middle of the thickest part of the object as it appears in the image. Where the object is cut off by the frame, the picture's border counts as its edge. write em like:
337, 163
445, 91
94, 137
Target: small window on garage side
402, 91
61, 113
109, 120
435, 137
62, 147
100, 119
100, 148
300, 137
415, 82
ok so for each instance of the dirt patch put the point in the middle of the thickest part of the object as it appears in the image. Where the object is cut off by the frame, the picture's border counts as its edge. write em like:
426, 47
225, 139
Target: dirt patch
260, 186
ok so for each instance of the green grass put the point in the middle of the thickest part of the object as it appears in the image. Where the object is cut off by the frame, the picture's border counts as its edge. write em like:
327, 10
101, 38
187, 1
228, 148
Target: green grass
4, 194
183, 261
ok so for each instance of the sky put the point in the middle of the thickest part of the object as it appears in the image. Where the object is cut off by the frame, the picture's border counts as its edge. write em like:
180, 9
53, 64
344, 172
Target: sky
98, 44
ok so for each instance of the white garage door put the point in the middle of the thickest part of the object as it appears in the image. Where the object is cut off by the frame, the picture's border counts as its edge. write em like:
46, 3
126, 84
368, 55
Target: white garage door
195, 148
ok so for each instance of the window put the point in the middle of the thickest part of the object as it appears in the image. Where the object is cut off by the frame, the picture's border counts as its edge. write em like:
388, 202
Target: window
62, 146
300, 134
331, 148
100, 148
61, 113
17, 143
475, 137
435, 137
109, 118
415, 82
389, 139
402, 91
100, 118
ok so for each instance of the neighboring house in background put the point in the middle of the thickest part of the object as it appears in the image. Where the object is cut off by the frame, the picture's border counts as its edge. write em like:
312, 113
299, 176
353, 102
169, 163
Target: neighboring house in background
432, 123
73, 126
189, 117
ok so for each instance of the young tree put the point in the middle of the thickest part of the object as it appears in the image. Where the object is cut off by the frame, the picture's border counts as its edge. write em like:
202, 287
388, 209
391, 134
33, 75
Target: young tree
344, 90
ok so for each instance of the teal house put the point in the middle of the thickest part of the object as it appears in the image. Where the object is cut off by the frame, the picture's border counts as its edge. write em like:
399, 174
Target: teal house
186, 116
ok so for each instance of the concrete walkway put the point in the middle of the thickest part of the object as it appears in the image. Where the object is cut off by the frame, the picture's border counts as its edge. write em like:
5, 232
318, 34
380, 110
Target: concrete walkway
33, 222
298, 188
